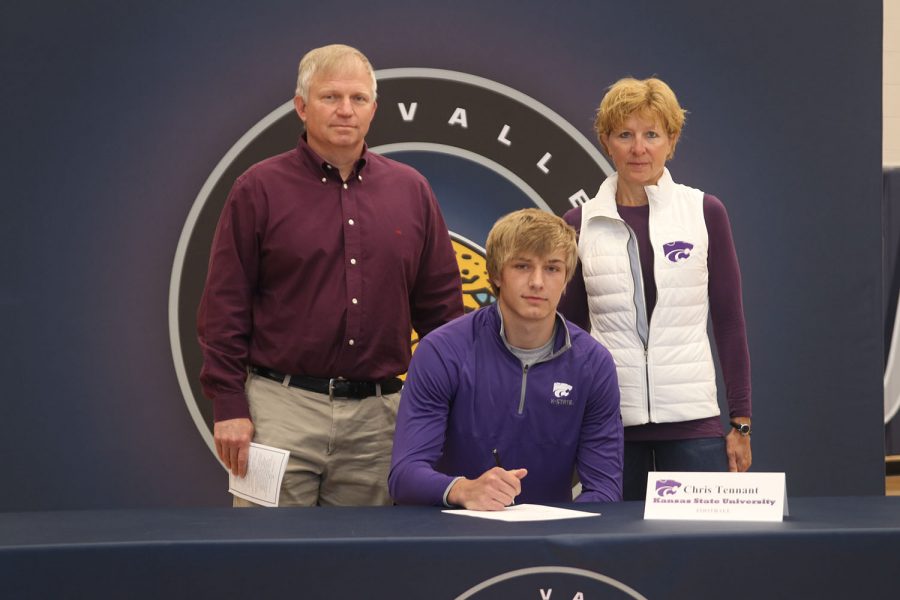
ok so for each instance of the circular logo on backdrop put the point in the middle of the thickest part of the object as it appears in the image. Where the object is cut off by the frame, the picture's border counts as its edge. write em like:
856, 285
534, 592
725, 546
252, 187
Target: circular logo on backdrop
486, 149
549, 583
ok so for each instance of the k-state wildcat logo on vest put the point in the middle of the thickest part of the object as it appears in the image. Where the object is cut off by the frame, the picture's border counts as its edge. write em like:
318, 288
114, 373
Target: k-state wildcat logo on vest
454, 122
678, 251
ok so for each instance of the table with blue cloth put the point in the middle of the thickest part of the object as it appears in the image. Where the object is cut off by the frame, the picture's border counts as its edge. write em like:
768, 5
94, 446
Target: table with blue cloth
827, 548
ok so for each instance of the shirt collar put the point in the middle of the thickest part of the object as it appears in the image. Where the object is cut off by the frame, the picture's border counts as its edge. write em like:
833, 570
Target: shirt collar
311, 160
562, 341
604, 203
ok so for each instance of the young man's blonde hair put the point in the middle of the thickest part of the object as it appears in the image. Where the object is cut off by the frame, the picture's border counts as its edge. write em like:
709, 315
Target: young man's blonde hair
531, 231
651, 97
330, 59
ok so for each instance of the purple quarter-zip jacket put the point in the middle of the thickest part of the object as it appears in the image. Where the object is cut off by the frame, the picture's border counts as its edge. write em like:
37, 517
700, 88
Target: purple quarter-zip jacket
466, 394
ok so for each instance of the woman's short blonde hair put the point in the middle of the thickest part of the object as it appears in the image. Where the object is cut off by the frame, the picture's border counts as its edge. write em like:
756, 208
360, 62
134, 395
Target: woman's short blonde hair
532, 231
651, 97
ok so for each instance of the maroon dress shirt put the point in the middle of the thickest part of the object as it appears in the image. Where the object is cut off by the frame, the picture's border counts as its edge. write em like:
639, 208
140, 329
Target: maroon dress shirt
311, 275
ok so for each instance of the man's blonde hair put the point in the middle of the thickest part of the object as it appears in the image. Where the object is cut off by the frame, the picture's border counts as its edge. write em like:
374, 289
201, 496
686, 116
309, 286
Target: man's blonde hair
532, 231
648, 97
330, 59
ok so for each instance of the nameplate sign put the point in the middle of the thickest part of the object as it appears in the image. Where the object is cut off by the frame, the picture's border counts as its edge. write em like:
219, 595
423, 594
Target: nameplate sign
716, 496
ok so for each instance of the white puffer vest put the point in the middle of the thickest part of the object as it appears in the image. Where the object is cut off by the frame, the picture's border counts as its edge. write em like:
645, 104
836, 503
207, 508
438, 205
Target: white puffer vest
666, 371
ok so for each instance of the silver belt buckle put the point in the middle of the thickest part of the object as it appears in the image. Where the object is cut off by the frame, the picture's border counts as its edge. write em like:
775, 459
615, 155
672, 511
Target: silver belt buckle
331, 387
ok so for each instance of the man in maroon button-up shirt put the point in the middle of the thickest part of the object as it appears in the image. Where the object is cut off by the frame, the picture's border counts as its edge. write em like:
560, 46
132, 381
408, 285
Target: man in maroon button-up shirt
324, 258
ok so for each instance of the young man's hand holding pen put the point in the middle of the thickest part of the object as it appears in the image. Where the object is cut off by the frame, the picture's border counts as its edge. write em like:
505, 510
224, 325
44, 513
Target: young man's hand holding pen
495, 489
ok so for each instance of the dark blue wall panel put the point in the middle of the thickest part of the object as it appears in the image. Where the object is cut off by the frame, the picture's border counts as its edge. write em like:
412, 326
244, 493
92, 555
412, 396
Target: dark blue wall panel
115, 113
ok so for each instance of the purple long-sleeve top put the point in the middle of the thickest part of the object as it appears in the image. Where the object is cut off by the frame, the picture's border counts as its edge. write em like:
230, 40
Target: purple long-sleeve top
726, 312
466, 394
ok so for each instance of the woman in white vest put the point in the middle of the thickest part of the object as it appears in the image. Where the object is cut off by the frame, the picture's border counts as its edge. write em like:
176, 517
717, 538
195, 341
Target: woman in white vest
657, 260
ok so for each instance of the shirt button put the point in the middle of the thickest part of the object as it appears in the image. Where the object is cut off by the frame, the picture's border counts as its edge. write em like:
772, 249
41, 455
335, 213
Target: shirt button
351, 342
355, 301
351, 222
324, 179
352, 261
328, 167
359, 177
345, 186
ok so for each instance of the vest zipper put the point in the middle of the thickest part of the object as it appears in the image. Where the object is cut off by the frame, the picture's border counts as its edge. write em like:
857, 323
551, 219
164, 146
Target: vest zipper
640, 301
647, 381
642, 329
647, 308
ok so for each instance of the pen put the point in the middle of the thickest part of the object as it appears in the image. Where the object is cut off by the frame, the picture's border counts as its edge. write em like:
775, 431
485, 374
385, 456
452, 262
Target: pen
496, 454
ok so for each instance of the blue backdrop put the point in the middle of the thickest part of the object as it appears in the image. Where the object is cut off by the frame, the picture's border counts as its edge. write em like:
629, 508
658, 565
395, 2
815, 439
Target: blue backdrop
115, 113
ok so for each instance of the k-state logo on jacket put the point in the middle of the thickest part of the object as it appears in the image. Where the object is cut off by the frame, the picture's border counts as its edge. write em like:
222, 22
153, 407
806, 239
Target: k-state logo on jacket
561, 395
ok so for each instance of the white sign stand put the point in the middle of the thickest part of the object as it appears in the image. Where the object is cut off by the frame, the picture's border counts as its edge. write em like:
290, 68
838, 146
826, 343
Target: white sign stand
716, 496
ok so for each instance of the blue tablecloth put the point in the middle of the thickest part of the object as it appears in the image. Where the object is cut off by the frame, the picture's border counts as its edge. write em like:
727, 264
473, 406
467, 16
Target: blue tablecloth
827, 548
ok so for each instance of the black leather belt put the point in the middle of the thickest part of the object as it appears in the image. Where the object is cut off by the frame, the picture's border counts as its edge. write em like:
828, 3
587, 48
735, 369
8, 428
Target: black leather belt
335, 387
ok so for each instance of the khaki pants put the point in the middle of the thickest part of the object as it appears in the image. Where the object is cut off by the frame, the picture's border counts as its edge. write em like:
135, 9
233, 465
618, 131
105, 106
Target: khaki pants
340, 449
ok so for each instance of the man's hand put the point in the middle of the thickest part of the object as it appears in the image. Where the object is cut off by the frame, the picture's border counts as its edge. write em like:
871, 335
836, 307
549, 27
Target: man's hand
233, 443
494, 490
737, 447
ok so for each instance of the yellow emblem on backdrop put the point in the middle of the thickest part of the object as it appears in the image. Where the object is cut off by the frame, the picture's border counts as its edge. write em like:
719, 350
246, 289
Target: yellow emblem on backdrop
476, 288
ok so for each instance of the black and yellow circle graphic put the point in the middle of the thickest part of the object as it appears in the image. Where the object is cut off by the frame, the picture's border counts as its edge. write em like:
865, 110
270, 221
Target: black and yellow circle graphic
464, 120
476, 285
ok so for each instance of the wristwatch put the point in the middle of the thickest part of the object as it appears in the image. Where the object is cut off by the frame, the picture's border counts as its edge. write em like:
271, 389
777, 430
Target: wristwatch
743, 428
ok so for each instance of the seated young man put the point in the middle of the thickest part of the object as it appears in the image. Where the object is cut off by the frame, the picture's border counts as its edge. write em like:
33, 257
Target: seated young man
505, 403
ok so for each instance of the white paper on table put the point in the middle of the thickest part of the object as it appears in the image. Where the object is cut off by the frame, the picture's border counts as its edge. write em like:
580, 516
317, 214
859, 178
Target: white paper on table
524, 512
265, 470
